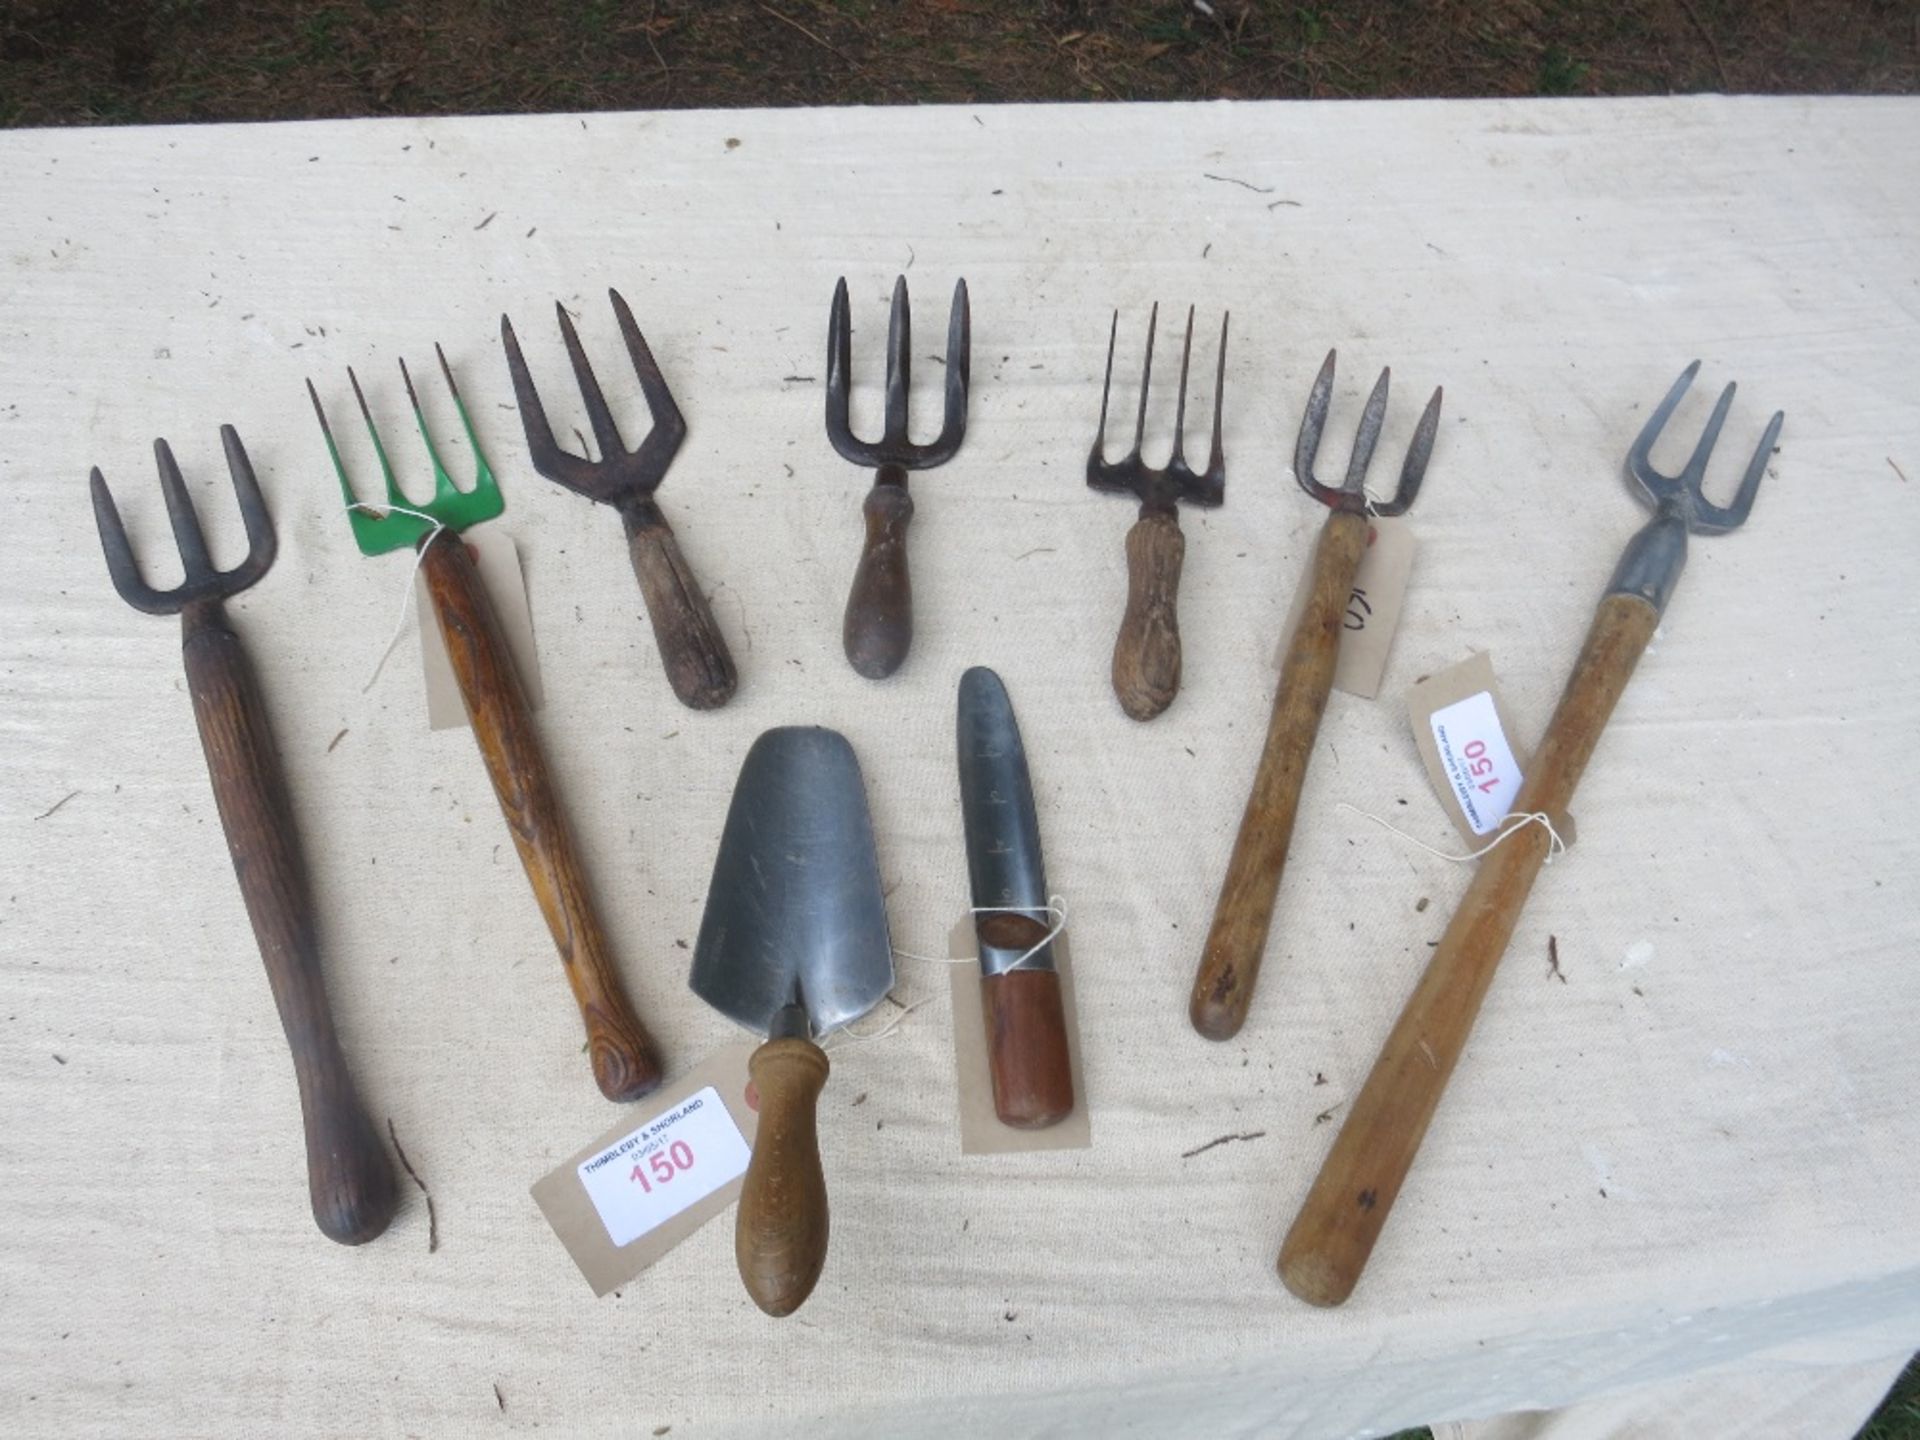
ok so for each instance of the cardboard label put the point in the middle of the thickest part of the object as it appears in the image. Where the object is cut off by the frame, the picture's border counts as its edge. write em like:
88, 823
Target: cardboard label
1460, 727
1373, 609
981, 1132
663, 1165
666, 1168
499, 566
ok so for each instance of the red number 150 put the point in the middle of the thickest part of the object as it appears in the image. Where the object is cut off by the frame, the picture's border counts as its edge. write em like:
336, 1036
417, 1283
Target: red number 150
1479, 762
664, 1164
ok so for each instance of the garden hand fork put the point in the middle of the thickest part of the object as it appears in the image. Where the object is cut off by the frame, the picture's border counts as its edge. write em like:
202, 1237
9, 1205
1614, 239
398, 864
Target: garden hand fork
621, 1053
1230, 964
350, 1182
878, 628
1146, 653
1334, 1233
695, 654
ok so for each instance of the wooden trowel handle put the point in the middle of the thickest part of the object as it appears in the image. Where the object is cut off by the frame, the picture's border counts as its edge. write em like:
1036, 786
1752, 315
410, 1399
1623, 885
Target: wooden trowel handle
694, 652
1325, 1251
878, 628
1223, 987
780, 1233
624, 1063
1026, 1026
1146, 653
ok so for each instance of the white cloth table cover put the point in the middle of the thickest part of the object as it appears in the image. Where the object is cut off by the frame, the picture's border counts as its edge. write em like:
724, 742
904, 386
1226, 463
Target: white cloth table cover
1699, 1151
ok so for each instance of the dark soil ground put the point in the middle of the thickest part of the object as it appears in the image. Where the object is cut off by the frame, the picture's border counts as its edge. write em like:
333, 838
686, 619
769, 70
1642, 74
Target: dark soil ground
119, 62
65, 62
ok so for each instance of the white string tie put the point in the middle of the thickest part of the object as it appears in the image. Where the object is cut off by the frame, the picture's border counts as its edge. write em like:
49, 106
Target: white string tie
1055, 907
420, 555
1512, 825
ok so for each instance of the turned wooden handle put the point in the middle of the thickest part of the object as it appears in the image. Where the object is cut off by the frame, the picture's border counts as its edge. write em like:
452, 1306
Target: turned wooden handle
698, 664
350, 1180
1325, 1251
878, 629
1146, 653
780, 1233
1230, 963
1027, 1048
623, 1058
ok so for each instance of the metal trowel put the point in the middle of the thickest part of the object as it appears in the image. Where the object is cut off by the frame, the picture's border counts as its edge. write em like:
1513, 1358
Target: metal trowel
793, 945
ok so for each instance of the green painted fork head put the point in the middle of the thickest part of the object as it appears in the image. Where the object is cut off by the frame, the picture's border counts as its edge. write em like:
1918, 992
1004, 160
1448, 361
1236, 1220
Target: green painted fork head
397, 522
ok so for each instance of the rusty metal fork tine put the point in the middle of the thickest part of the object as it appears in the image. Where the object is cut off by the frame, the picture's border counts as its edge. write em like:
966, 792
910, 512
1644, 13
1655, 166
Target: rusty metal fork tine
899, 364
1415, 468
1178, 460
122, 568
1106, 392
653, 385
1368, 436
262, 543
1312, 422
959, 366
605, 433
1712, 519
544, 449
1217, 458
839, 368
1146, 383
194, 559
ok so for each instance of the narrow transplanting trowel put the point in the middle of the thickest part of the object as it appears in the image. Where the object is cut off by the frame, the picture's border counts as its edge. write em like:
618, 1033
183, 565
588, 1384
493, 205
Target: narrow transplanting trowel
793, 945
1019, 987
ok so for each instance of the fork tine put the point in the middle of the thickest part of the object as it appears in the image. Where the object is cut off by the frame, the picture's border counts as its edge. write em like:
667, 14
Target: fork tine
1146, 381
605, 433
1640, 457
262, 543
959, 365
187, 534
899, 363
1217, 459
1312, 421
542, 447
1368, 436
1695, 473
443, 485
1106, 391
122, 568
839, 364
1418, 453
395, 495
1711, 519
1178, 459
653, 385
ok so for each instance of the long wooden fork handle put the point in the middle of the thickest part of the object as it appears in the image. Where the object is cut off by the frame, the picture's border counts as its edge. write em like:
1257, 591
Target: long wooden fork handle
780, 1232
877, 630
624, 1063
699, 666
350, 1181
1334, 1233
1146, 652
1230, 963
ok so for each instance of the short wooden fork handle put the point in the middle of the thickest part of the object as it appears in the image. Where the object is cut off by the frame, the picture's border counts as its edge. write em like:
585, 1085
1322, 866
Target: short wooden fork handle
877, 630
699, 666
624, 1063
1230, 964
350, 1181
1334, 1233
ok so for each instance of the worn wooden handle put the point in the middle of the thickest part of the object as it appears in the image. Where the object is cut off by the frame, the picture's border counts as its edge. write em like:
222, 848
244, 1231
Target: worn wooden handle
350, 1180
1027, 1048
780, 1233
623, 1057
1230, 963
878, 629
1146, 653
698, 664
1334, 1233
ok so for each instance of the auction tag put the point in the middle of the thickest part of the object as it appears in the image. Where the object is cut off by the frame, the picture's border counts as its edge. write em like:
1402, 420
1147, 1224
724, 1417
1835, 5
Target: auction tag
499, 566
657, 1176
1460, 728
1373, 609
981, 1132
